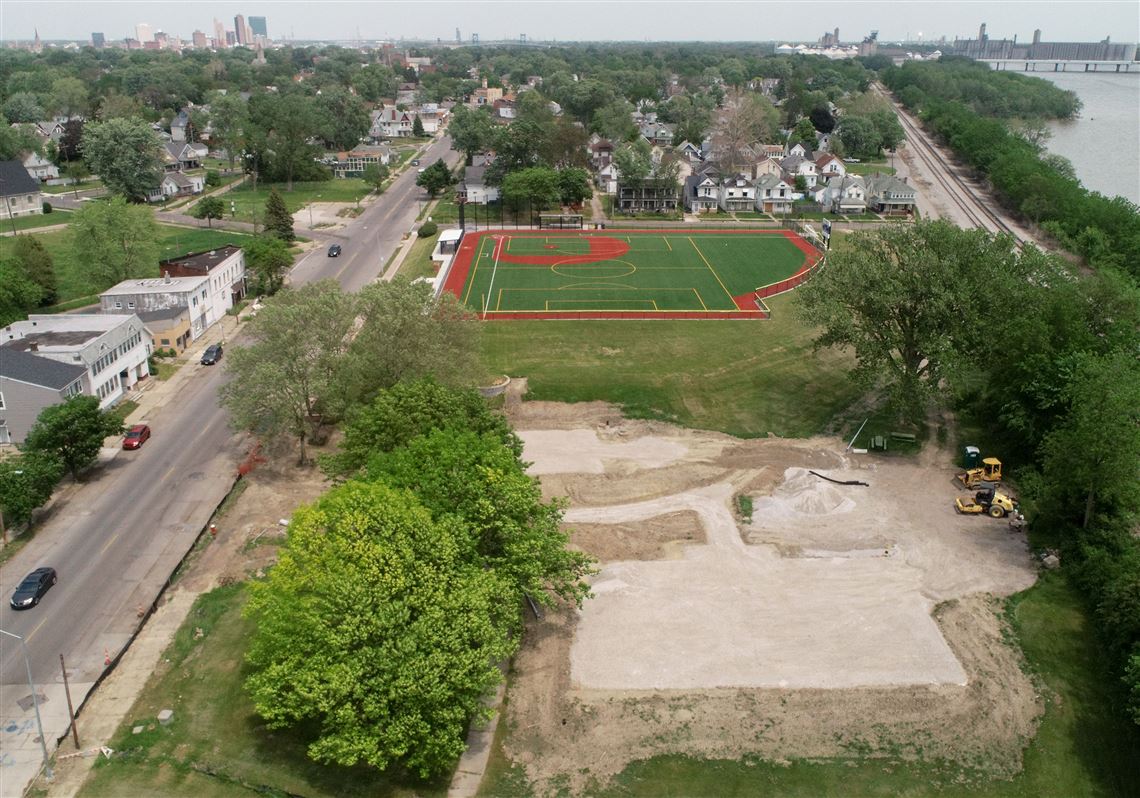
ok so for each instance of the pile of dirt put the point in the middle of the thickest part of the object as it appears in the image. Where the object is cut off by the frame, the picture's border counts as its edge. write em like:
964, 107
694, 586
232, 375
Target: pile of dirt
802, 493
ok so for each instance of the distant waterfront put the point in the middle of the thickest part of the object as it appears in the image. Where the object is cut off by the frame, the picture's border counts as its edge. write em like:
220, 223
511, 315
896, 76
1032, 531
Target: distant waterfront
1104, 142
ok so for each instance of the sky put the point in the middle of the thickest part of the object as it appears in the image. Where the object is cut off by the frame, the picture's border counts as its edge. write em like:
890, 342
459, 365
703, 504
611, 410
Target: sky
578, 20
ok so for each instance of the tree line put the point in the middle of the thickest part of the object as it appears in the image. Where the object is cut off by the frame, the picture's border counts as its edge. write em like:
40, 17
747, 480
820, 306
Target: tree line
1042, 355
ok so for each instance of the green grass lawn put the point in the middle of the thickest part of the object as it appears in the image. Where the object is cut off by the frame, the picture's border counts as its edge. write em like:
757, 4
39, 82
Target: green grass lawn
216, 745
245, 200
76, 281
870, 168
625, 272
1081, 748
17, 223
86, 185
747, 378
419, 262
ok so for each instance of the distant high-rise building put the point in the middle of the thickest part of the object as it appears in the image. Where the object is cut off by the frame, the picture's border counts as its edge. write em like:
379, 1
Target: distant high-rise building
258, 27
199, 39
219, 35
144, 32
37, 45
98, 41
239, 29
231, 38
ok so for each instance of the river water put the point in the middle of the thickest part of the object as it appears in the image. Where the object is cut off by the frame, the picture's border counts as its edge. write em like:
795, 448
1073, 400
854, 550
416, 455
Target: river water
1104, 142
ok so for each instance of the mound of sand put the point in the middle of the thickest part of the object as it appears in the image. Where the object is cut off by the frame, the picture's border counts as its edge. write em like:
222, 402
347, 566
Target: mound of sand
802, 493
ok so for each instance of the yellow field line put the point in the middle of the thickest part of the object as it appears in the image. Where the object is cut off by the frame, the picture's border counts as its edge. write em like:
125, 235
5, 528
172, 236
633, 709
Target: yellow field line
667, 243
711, 269
699, 299
475, 267
498, 300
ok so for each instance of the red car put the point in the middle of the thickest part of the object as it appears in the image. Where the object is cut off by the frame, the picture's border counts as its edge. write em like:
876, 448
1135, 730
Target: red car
136, 436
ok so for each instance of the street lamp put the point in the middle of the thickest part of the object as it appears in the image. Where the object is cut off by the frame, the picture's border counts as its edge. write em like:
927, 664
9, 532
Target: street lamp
35, 702
461, 200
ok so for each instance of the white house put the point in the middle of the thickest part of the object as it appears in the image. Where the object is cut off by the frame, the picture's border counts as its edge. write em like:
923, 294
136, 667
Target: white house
392, 124
478, 192
828, 166
607, 178
702, 193
846, 194
19, 192
800, 149
40, 168
888, 194
432, 116
111, 349
736, 193
207, 297
773, 194
798, 166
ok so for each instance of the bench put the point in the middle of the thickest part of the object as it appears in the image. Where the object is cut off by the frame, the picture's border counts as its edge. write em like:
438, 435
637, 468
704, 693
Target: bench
903, 436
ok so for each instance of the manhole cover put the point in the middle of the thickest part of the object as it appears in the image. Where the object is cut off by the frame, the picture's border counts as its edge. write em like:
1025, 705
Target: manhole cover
27, 703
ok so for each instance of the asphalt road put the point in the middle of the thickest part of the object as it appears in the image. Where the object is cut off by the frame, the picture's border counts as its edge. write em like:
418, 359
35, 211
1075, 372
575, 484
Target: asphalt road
116, 539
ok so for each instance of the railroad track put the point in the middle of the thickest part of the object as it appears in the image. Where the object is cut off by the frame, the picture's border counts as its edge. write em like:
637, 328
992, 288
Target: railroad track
955, 188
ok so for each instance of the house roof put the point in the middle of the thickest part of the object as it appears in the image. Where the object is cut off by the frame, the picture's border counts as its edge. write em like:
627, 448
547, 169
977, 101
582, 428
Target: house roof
178, 179
878, 183
473, 176
770, 181
823, 160
14, 179
156, 285
35, 370
165, 314
201, 262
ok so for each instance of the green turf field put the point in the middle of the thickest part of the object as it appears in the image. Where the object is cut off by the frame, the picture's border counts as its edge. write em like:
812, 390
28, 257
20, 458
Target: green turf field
625, 272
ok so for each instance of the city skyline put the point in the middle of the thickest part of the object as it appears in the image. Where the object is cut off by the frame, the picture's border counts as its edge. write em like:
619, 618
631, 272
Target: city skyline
546, 20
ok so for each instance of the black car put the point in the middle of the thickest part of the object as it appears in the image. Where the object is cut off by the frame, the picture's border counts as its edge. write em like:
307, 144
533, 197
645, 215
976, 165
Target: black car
415, 162
32, 589
212, 354
334, 250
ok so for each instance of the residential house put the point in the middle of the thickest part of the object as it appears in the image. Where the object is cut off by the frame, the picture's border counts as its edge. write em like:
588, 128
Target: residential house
353, 162
478, 192
432, 117
111, 350
736, 193
766, 166
770, 150
169, 328
28, 384
49, 130
888, 194
179, 126
504, 109
798, 166
607, 178
19, 191
845, 194
702, 193
393, 124
829, 166
801, 150
690, 152
39, 167
485, 95
183, 156
600, 151
773, 194
224, 265
178, 184
159, 293
406, 94
649, 195
660, 133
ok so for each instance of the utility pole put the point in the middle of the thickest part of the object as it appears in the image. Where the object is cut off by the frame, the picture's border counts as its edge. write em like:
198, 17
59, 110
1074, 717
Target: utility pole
70, 708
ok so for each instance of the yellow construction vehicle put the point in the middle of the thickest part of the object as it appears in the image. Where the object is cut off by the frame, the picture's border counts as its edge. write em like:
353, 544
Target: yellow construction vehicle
990, 501
989, 472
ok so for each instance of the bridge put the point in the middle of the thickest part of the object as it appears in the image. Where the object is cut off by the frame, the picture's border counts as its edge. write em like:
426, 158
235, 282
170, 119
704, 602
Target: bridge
1060, 65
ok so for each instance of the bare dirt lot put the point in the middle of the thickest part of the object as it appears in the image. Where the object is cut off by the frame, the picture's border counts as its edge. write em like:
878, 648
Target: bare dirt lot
842, 619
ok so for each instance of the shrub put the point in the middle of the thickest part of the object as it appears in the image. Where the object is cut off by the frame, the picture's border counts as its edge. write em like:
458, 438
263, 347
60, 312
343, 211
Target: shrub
47, 207
428, 229
213, 179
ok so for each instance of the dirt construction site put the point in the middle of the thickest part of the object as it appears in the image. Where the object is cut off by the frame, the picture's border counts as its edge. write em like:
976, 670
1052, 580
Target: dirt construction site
841, 620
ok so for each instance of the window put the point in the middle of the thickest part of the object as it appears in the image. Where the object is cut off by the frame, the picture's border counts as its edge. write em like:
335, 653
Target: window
164, 341
118, 306
1, 401
131, 305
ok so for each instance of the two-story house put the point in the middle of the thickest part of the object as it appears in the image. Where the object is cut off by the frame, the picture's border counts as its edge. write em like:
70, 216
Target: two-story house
39, 167
736, 193
888, 194
828, 166
225, 266
392, 124
19, 191
702, 193
478, 192
845, 194
773, 194
798, 166
650, 195
28, 384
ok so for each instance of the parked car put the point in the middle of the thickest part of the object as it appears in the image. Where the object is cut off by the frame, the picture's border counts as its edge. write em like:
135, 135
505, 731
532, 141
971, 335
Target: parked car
31, 590
415, 162
334, 251
212, 354
136, 436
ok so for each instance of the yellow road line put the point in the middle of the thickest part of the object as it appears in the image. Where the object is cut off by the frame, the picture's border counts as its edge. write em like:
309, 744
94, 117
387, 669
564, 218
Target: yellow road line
711, 269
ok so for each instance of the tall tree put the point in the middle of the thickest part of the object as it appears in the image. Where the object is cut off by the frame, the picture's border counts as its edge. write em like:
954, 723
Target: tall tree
70, 143
418, 127
15, 140
860, 136
747, 120
435, 178
344, 118
378, 632
267, 259
73, 432
537, 188
125, 154
405, 332
278, 220
26, 483
374, 175
116, 240
470, 131
229, 122
574, 186
37, 265
69, 97
633, 162
288, 121
23, 107
280, 379
209, 208
909, 300
18, 294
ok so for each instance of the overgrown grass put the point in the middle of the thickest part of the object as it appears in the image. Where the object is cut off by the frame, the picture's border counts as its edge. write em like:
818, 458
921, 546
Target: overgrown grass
1081, 748
246, 201
124, 409
216, 745
747, 378
419, 262
74, 275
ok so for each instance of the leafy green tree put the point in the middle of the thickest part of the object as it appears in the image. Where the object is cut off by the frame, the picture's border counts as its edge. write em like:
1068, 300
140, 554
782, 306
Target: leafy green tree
117, 240
69, 97
16, 140
409, 409
72, 432
287, 123
901, 299
804, 133
125, 154
574, 186
405, 332
119, 106
1095, 452
374, 175
344, 118
23, 107
860, 137
278, 220
418, 127
229, 121
279, 379
538, 188
435, 178
36, 263
613, 121
633, 162
18, 294
470, 130
514, 532
70, 143
889, 128
26, 484
209, 208
378, 632
267, 259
